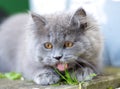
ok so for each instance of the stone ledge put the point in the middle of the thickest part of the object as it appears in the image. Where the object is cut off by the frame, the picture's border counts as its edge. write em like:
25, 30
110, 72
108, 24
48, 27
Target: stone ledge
102, 82
9, 84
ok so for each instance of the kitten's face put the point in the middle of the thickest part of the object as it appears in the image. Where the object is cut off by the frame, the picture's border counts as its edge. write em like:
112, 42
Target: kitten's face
59, 46
59, 41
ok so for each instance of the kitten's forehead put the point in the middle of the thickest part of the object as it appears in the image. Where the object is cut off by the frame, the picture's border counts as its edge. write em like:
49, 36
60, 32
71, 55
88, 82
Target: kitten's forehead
62, 20
59, 29
58, 24
56, 34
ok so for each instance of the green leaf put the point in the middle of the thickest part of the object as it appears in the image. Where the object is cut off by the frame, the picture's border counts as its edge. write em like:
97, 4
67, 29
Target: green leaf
93, 75
110, 88
56, 84
2, 76
71, 80
13, 76
68, 76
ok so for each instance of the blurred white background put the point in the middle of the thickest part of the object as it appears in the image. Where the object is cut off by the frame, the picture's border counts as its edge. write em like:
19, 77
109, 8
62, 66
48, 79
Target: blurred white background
94, 7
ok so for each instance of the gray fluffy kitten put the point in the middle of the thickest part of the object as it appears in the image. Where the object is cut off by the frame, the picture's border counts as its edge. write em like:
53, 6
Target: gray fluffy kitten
34, 45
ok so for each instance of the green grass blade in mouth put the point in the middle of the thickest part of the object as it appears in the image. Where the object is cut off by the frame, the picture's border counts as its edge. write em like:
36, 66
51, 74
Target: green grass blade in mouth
67, 78
71, 79
60, 74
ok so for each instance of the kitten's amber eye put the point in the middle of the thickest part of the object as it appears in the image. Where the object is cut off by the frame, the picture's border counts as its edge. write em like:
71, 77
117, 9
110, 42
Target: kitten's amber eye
68, 44
48, 45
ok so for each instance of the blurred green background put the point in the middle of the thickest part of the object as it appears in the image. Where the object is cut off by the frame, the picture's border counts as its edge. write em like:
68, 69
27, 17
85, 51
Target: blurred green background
9, 7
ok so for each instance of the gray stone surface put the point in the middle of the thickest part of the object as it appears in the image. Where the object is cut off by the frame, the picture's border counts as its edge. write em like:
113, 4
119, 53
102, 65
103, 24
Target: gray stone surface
104, 82
9, 84
101, 82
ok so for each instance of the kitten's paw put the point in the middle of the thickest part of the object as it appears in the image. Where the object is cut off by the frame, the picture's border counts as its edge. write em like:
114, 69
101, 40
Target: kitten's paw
85, 74
46, 78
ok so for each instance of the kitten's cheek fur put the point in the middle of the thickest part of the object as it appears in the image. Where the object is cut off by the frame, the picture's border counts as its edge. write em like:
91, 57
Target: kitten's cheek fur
46, 78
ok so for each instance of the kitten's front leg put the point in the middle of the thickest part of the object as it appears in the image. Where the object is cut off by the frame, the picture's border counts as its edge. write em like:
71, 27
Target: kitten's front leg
46, 77
84, 74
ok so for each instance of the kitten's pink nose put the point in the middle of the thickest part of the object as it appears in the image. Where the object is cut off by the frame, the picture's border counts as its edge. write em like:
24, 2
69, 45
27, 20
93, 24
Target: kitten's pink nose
58, 57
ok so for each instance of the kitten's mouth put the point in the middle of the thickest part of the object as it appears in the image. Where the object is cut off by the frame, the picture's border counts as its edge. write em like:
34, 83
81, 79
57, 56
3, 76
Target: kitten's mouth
62, 66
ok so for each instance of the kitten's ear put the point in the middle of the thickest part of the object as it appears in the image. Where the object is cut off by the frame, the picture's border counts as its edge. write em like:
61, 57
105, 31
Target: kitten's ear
38, 19
79, 19
80, 12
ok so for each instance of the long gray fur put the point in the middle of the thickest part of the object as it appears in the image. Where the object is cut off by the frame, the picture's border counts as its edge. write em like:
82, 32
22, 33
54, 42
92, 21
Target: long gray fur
22, 39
